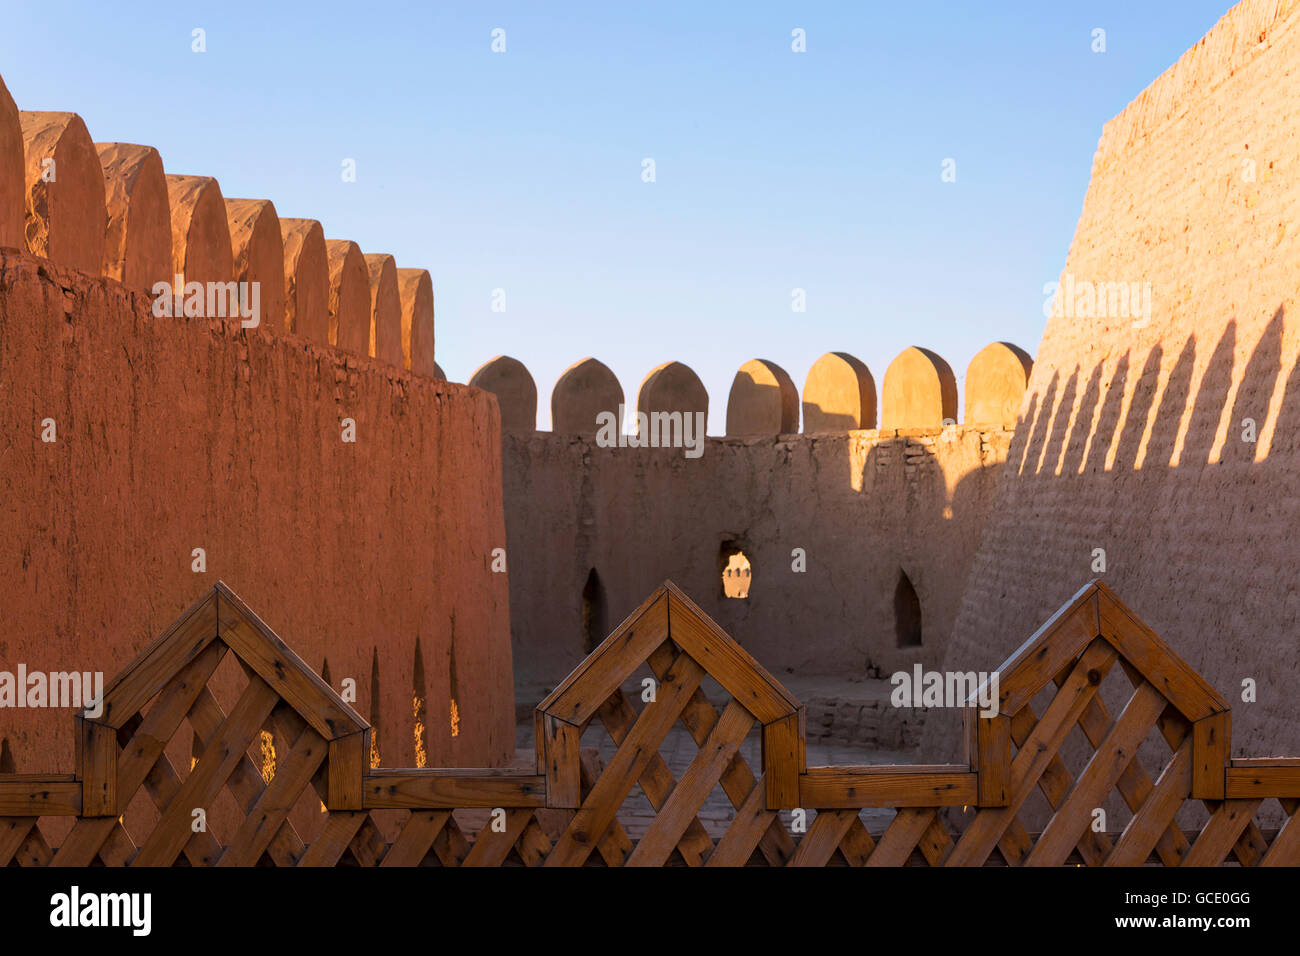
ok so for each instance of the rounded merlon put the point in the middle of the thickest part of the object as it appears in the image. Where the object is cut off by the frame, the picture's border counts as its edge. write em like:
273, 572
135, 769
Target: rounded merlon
672, 387
66, 216
516, 393
306, 279
839, 395
201, 249
258, 248
385, 309
585, 390
920, 391
763, 401
415, 286
995, 384
349, 301
138, 238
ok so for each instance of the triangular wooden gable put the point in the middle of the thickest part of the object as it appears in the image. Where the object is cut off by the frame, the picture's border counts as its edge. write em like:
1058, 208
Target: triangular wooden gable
668, 615
1094, 614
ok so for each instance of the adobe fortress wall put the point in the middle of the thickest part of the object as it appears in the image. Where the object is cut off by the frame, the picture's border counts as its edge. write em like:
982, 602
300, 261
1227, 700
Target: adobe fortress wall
172, 434
1174, 446
858, 531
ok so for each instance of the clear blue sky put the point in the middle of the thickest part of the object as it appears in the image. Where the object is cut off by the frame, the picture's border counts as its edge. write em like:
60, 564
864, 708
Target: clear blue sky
522, 170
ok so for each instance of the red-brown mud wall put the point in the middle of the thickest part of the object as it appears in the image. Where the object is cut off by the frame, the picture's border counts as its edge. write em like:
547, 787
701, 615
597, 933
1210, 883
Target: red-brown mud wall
177, 434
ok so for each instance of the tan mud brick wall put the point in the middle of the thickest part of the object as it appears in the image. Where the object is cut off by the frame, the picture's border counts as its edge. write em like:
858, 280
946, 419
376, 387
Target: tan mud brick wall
873, 514
863, 505
1131, 432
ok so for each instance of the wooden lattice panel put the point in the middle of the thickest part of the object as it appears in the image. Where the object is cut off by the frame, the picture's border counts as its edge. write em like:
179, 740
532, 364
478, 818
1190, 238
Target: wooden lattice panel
1093, 711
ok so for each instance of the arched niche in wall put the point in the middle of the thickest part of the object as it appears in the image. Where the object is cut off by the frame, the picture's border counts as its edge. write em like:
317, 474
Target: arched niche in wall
907, 613
595, 623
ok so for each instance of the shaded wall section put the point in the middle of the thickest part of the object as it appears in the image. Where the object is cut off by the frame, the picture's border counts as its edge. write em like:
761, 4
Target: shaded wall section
865, 507
1171, 439
177, 434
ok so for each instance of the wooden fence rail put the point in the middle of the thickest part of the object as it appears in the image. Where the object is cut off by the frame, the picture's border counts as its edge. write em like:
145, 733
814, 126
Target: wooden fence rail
1160, 765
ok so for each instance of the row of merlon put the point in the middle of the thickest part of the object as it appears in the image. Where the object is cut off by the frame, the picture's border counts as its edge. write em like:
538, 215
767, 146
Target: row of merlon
109, 209
839, 394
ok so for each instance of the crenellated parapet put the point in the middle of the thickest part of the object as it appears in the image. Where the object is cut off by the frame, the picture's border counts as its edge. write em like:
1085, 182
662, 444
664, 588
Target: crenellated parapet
110, 209
839, 394
885, 514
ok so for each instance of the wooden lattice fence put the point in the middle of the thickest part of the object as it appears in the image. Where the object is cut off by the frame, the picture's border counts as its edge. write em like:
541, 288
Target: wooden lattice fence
1165, 750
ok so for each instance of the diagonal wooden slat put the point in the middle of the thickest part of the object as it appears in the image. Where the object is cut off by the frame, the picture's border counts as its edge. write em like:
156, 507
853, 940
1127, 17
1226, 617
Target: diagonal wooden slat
614, 845
1015, 843
13, 833
416, 837
1156, 814
450, 845
699, 717
857, 844
1099, 777
1251, 845
34, 851
142, 750
1285, 850
726, 661
1055, 783
693, 789
1227, 821
1161, 667
581, 693
1061, 639
266, 816
752, 822
209, 775
245, 781
492, 847
157, 665
823, 837
261, 651
367, 846
901, 836
627, 764
656, 781
162, 784
1080, 687
1134, 784
119, 849
339, 830
935, 843
533, 844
